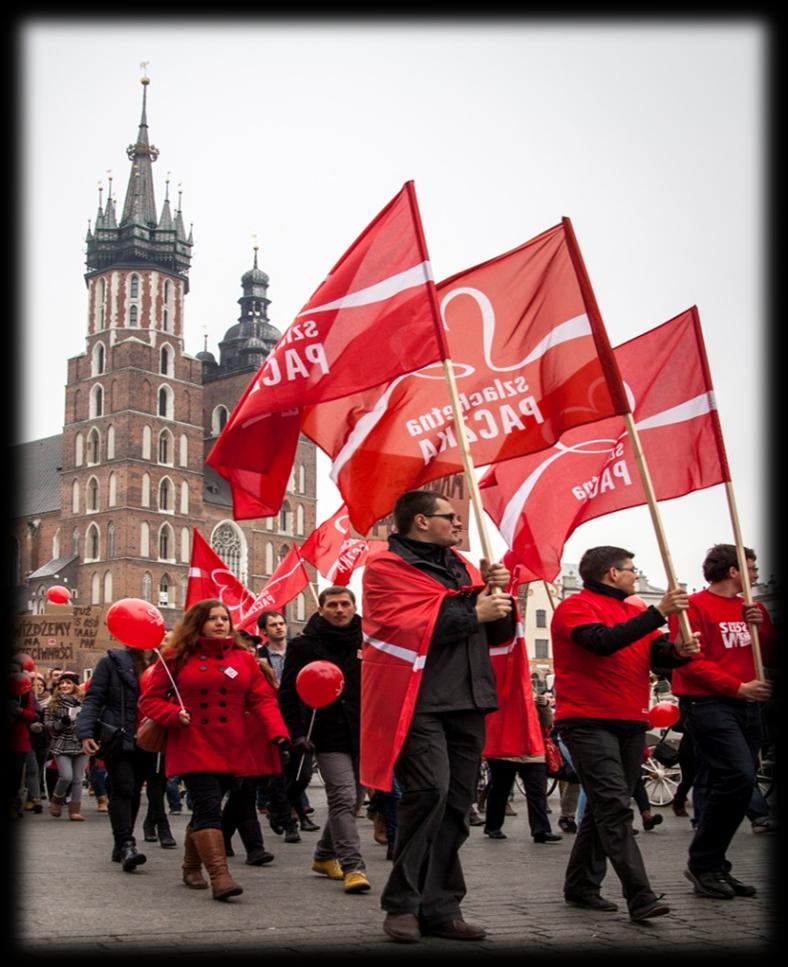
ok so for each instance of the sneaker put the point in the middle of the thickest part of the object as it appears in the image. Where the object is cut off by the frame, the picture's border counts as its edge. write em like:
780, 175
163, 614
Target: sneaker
764, 825
739, 888
329, 868
567, 825
357, 882
308, 826
712, 884
475, 818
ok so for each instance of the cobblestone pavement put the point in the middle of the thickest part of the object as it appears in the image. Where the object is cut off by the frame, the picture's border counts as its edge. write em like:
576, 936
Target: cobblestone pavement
69, 898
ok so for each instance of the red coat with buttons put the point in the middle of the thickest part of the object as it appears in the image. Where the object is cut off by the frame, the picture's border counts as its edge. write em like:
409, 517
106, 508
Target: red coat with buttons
229, 700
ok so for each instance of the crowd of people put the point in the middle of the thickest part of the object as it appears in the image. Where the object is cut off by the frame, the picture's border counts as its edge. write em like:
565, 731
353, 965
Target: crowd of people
241, 742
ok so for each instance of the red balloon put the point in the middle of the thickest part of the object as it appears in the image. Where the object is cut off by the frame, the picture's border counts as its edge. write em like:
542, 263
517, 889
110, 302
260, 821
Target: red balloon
319, 683
25, 661
663, 715
20, 683
57, 594
136, 623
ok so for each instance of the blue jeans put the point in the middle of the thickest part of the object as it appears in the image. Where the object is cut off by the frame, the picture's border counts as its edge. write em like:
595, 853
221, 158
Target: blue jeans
582, 799
727, 737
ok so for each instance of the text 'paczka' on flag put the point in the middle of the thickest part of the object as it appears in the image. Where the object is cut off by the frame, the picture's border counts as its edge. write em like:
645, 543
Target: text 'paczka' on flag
531, 360
538, 500
370, 321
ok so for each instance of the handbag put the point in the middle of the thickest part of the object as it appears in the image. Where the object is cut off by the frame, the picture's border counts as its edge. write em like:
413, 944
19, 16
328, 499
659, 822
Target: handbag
151, 736
666, 754
553, 759
109, 737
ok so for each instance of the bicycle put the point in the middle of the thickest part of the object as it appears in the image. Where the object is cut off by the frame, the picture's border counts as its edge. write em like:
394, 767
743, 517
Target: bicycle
662, 772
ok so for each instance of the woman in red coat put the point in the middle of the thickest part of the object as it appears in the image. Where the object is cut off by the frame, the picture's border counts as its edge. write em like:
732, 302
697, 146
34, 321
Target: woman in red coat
219, 682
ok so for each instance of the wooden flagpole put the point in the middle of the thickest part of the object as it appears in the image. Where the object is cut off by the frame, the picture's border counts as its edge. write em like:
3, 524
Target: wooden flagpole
745, 579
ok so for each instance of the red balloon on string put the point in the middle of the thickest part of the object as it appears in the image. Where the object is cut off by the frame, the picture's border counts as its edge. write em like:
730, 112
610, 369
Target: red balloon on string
136, 623
20, 683
57, 594
663, 715
25, 661
319, 683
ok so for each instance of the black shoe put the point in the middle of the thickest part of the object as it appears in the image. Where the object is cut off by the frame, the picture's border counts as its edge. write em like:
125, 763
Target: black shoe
166, 839
259, 857
308, 826
494, 833
547, 838
593, 901
292, 835
567, 825
116, 854
130, 858
275, 827
654, 908
711, 884
649, 824
149, 832
739, 888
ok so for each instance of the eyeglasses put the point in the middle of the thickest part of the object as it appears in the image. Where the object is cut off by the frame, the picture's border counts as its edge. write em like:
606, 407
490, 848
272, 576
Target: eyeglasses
452, 517
634, 570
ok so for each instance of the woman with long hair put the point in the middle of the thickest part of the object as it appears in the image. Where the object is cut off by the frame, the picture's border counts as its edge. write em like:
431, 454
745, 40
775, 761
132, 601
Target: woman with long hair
60, 718
219, 684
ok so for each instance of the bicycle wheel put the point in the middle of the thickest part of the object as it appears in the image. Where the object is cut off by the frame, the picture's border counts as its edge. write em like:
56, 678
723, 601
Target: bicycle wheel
660, 781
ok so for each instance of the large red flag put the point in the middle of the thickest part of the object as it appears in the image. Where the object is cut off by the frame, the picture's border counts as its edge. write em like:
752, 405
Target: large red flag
209, 577
288, 580
370, 321
531, 361
332, 550
538, 500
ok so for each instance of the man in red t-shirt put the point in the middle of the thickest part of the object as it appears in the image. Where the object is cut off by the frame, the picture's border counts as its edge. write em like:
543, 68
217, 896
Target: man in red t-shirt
721, 700
604, 645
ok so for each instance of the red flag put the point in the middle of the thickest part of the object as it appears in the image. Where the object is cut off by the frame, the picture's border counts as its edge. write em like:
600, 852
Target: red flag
332, 550
513, 729
288, 580
537, 501
530, 362
370, 321
209, 577
393, 656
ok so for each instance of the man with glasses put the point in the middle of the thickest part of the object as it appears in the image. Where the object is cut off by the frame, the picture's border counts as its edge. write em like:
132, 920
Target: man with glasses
604, 646
721, 700
422, 590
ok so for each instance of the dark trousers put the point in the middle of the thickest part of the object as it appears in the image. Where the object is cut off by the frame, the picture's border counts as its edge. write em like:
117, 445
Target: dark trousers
206, 791
155, 789
688, 769
239, 814
436, 772
502, 773
127, 771
727, 736
607, 757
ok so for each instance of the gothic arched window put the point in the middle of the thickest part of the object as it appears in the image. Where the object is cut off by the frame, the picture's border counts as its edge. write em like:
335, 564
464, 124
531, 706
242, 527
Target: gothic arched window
227, 541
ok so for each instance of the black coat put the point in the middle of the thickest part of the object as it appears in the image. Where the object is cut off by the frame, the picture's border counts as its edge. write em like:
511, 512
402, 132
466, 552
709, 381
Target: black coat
337, 725
112, 697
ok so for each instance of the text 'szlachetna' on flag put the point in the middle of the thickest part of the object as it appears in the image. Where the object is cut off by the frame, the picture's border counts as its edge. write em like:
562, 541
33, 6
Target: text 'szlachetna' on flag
370, 321
530, 361
537, 501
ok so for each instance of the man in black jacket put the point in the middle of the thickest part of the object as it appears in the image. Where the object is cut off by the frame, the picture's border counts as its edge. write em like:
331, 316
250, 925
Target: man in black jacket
437, 765
334, 635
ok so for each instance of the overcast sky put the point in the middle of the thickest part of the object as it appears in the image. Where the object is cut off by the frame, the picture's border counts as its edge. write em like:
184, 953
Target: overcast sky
649, 136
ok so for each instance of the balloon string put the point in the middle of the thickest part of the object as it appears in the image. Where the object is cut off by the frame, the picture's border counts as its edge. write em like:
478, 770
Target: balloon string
308, 733
166, 668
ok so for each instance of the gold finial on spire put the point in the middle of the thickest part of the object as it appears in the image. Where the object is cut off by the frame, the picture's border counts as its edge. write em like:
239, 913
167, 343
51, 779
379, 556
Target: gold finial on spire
144, 68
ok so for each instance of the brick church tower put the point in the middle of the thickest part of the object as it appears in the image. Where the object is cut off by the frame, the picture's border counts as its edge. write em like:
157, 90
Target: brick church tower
109, 506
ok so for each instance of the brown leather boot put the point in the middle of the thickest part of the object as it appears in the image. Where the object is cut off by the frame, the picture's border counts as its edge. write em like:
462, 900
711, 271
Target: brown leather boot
56, 806
192, 864
74, 812
102, 804
210, 846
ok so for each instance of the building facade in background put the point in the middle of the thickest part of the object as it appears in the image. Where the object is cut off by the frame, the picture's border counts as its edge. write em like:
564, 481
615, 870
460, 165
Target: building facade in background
108, 507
